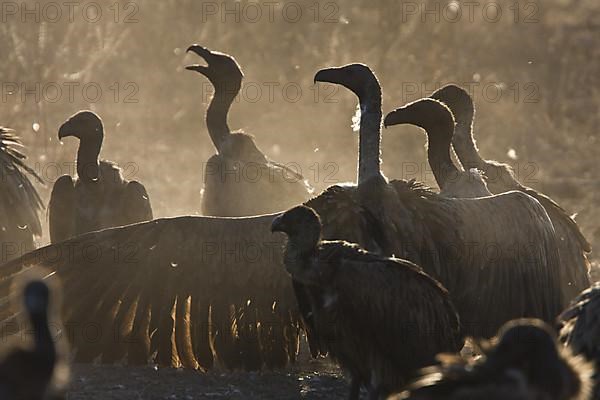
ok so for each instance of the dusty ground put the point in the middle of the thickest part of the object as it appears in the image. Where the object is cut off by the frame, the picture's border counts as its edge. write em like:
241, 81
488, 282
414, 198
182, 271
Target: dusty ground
306, 380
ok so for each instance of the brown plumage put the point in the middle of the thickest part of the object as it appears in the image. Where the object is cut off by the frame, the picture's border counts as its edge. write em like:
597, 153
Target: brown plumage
99, 197
580, 329
239, 180
438, 122
523, 363
20, 203
380, 318
573, 246
26, 373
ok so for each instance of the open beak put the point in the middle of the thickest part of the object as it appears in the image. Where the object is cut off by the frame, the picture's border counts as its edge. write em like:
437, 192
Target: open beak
202, 52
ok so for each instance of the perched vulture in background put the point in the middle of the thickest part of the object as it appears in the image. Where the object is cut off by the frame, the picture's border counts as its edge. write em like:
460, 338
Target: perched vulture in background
572, 245
380, 318
27, 373
99, 197
523, 363
239, 180
437, 121
580, 329
20, 203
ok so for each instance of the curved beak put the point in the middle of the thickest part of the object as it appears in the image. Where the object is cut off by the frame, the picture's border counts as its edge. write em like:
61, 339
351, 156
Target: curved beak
394, 117
65, 130
277, 224
330, 75
202, 52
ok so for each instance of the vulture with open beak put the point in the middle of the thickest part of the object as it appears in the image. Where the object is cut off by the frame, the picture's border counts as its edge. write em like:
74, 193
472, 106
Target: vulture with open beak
380, 318
524, 362
20, 203
573, 247
99, 197
240, 180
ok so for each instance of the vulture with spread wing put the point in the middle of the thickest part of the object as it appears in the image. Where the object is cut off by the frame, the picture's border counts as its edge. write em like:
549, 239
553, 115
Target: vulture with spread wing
523, 363
99, 197
239, 180
580, 329
20, 203
572, 245
380, 318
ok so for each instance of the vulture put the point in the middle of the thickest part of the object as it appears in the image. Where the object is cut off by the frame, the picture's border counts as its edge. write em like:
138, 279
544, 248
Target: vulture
524, 362
239, 180
27, 373
580, 329
438, 122
99, 197
380, 318
20, 203
572, 245
165, 289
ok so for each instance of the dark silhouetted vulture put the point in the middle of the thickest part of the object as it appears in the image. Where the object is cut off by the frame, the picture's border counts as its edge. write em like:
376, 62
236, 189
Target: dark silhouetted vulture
437, 121
26, 373
20, 204
240, 180
500, 178
580, 329
99, 197
523, 363
380, 318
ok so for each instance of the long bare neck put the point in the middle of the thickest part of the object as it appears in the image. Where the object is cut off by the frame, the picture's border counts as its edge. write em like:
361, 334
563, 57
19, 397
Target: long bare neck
44, 343
88, 167
216, 115
463, 141
369, 159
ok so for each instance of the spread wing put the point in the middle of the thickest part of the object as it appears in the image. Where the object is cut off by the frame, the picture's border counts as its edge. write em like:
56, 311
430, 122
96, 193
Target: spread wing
61, 209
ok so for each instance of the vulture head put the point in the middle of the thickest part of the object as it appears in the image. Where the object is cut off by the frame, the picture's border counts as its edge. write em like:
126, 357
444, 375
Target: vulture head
36, 298
458, 100
356, 77
428, 114
81, 125
221, 69
303, 227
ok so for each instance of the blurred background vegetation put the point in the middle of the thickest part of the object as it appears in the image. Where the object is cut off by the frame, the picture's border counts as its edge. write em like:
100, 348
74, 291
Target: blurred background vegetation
533, 68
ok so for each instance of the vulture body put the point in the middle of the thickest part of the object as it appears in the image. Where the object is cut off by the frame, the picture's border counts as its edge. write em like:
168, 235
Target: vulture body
239, 180
580, 329
26, 374
572, 245
380, 318
523, 363
438, 122
20, 203
155, 284
99, 197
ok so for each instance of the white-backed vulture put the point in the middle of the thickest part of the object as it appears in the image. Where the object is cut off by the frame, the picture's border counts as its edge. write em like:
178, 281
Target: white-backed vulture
479, 249
580, 329
523, 363
239, 180
26, 374
136, 275
20, 203
437, 121
381, 319
572, 245
99, 197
